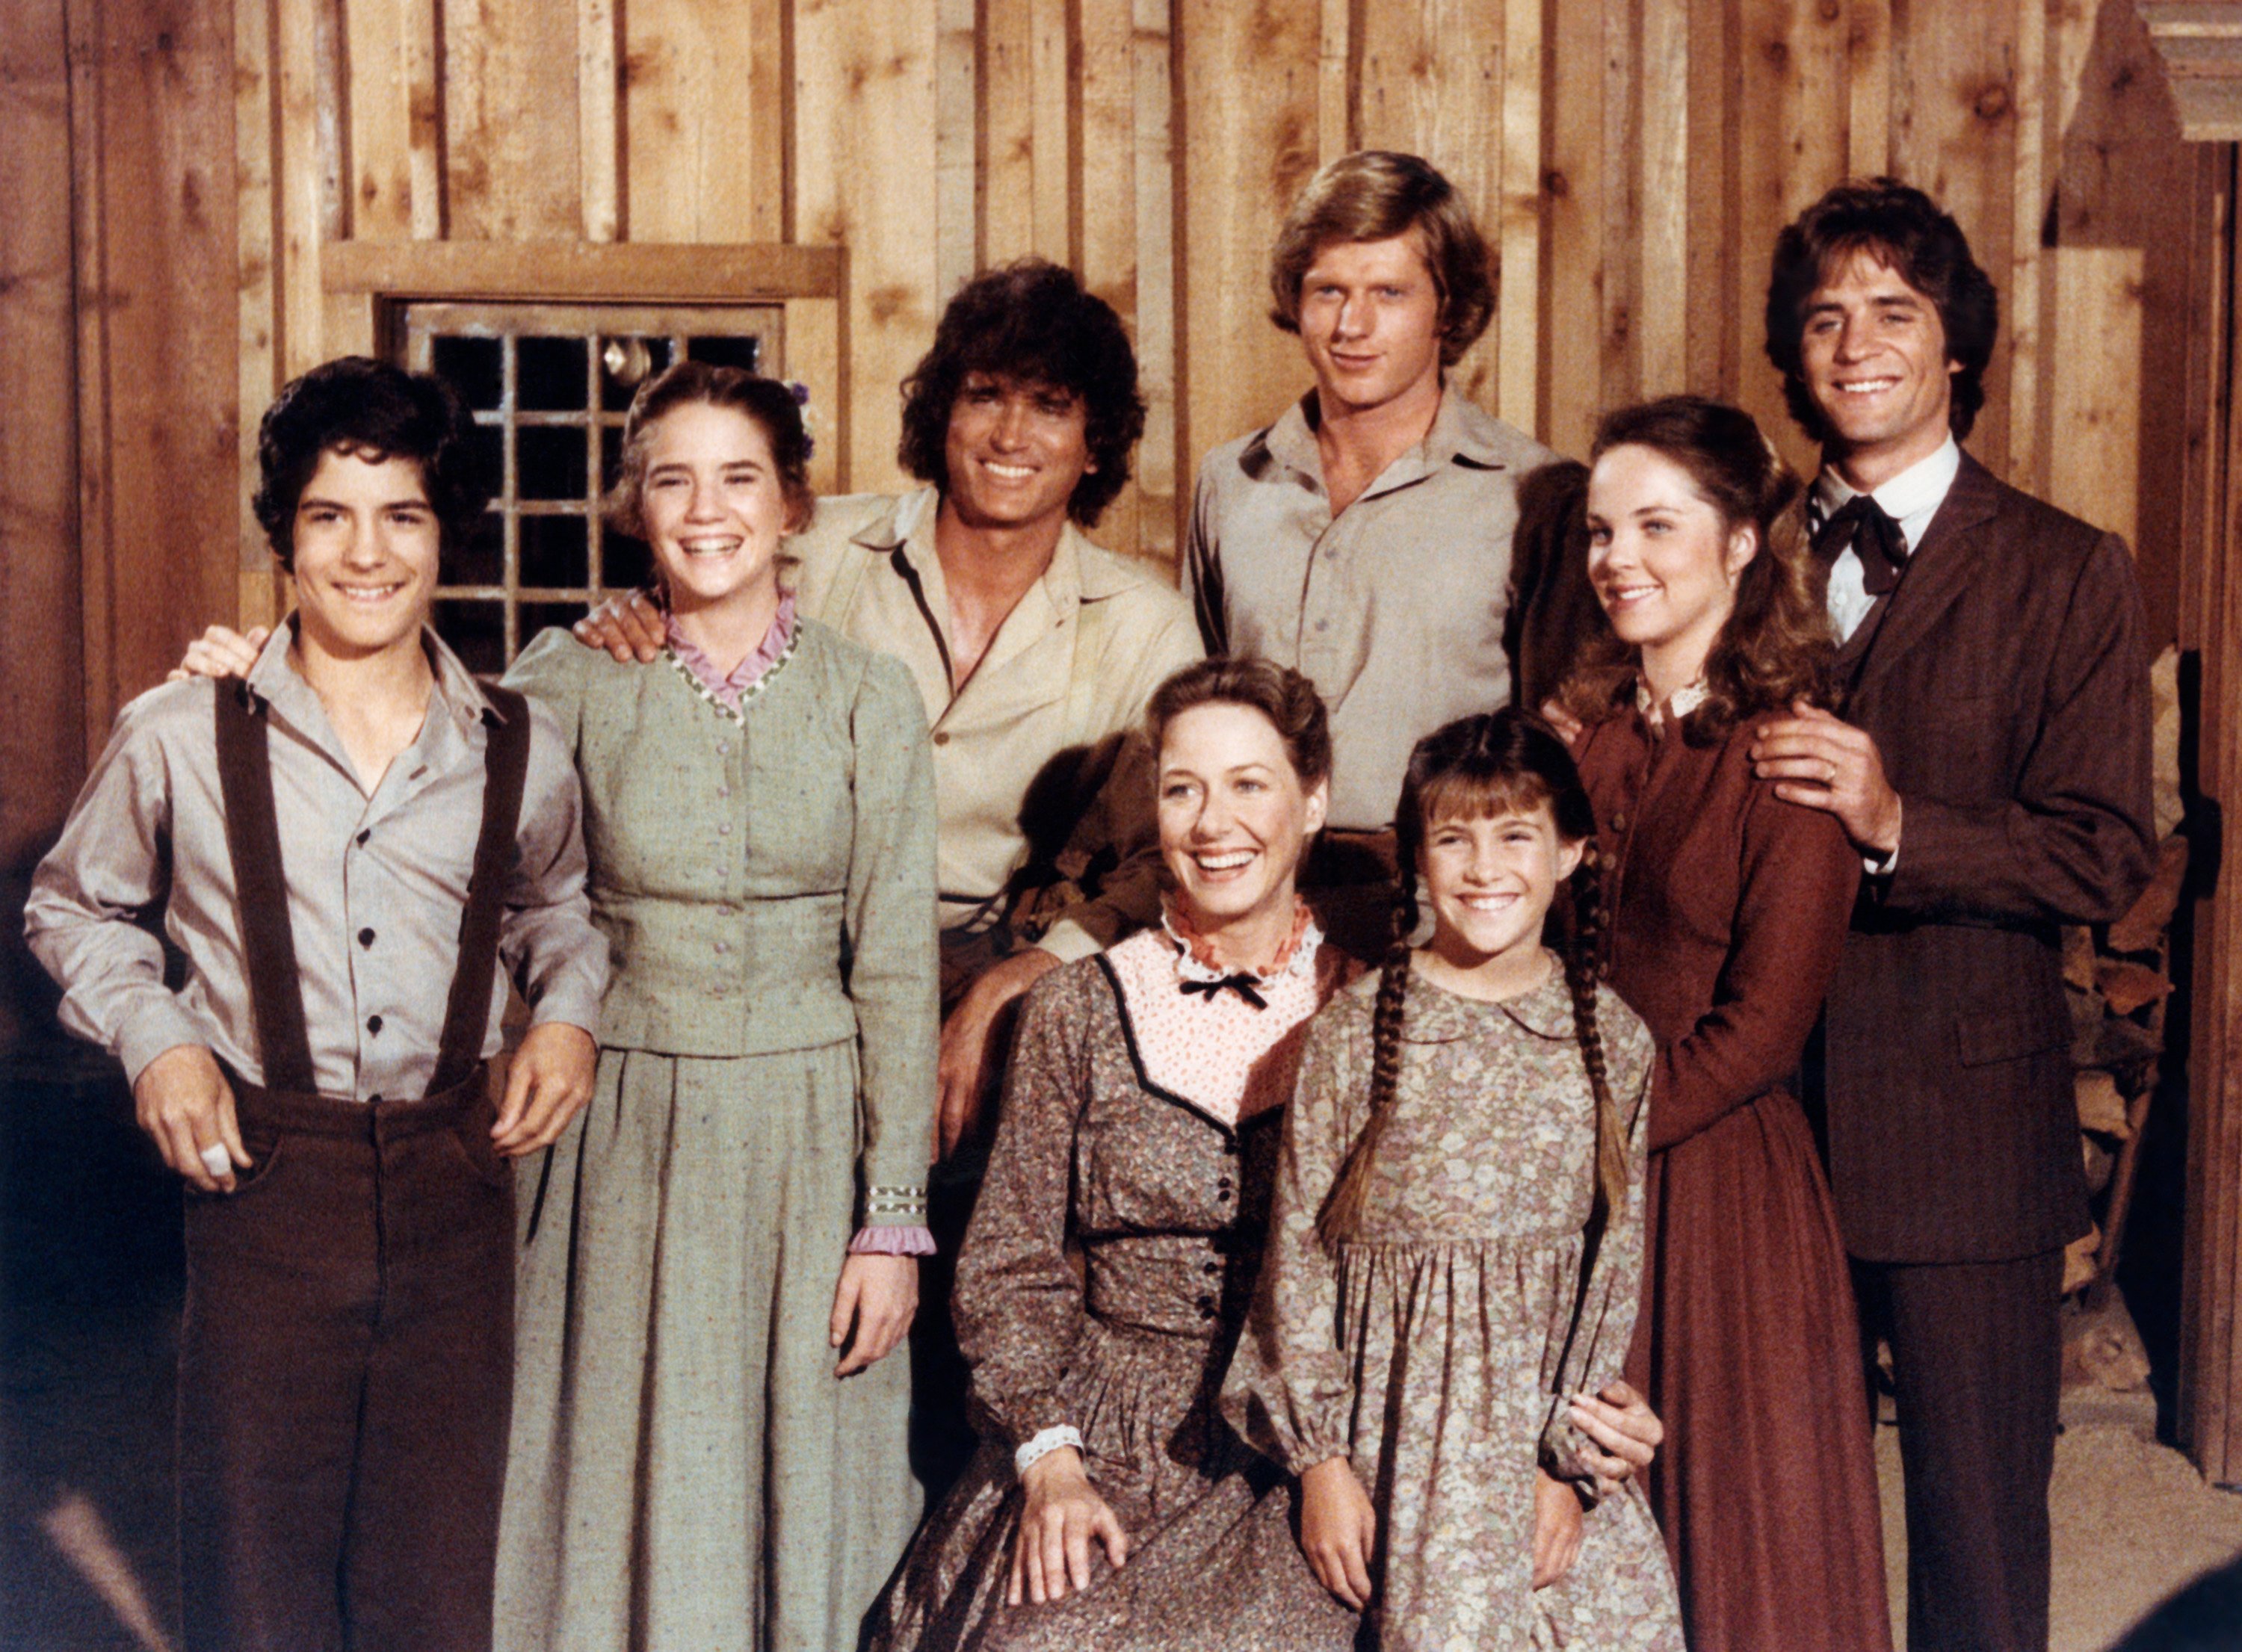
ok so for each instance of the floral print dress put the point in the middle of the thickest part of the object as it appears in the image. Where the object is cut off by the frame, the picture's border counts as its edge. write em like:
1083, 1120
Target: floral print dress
1439, 1347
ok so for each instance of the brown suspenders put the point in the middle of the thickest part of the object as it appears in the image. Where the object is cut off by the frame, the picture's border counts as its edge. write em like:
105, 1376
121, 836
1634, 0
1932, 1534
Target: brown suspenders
252, 836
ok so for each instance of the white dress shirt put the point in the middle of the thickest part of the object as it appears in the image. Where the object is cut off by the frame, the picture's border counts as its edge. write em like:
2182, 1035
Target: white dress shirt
1911, 499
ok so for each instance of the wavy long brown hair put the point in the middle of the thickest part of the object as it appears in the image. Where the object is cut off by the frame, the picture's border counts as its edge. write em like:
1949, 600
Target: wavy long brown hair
1776, 646
1475, 766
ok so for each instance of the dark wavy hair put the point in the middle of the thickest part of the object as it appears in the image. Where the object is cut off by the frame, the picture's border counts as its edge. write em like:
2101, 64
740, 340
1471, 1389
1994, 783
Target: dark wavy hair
1901, 227
1279, 694
769, 405
355, 404
1031, 322
1775, 645
1476, 767
1374, 195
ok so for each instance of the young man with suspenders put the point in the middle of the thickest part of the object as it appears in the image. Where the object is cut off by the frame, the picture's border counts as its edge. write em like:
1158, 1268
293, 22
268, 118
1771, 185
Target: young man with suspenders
355, 843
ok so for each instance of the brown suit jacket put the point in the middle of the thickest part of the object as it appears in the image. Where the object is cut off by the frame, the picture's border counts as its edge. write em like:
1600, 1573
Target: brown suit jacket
2006, 685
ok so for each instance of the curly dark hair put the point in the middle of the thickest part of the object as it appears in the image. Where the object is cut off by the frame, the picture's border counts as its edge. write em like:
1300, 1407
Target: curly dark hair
355, 404
1475, 766
1901, 227
770, 405
1775, 645
1033, 322
1374, 195
1279, 694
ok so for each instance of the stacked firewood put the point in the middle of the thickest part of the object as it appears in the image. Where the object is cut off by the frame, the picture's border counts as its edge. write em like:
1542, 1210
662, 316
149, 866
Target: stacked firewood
2118, 979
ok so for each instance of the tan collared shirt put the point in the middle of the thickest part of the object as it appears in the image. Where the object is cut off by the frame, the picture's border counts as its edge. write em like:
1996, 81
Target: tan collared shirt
376, 885
1393, 609
1072, 663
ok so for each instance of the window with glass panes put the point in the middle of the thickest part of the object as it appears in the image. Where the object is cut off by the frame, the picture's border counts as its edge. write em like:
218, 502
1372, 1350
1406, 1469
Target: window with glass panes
548, 385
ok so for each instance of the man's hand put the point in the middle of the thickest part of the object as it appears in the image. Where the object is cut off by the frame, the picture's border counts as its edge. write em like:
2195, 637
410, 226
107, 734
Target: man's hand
1621, 1422
629, 627
1567, 725
1556, 1529
961, 1068
185, 1104
546, 1086
1064, 1515
878, 1295
220, 652
1824, 763
1338, 1529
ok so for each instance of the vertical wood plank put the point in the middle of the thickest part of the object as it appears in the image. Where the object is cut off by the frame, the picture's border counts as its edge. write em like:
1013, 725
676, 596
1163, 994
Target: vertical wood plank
956, 127
1161, 502
1050, 144
512, 179
1008, 129
394, 123
258, 330
2026, 295
1616, 361
864, 114
1717, 264
702, 118
1431, 83
1518, 230
1663, 216
43, 723
1249, 142
1104, 198
1338, 131
1868, 76
599, 121
1571, 321
813, 357
309, 213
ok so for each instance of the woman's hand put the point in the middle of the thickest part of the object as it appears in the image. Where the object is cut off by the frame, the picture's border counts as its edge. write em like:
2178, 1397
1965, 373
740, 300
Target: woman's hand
878, 1295
220, 652
1621, 1422
1556, 1529
1337, 1528
1064, 1515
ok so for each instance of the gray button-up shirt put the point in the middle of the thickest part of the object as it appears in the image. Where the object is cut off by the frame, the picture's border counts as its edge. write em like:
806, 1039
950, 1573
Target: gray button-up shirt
376, 885
1393, 609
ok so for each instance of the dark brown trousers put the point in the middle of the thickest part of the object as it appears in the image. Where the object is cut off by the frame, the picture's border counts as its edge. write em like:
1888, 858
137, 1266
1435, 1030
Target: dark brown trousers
345, 1379
1976, 1358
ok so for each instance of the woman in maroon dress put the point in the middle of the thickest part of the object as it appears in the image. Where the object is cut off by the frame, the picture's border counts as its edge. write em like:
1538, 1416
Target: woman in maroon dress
1730, 908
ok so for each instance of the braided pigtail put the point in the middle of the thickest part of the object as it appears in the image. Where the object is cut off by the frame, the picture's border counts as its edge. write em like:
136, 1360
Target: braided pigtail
1341, 1216
1584, 969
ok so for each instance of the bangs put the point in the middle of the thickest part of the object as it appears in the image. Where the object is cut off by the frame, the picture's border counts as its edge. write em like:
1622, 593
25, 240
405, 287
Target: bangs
1460, 796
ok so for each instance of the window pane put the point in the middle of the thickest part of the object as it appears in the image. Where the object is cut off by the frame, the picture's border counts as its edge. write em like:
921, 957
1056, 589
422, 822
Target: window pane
725, 352
490, 457
629, 563
481, 561
548, 375
476, 632
539, 616
554, 550
472, 367
548, 462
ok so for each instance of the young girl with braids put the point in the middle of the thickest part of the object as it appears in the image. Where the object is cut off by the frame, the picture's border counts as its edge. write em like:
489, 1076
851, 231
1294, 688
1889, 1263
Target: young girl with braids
1456, 1236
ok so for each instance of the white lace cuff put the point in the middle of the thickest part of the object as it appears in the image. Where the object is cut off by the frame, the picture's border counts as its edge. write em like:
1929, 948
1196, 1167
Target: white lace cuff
1043, 1445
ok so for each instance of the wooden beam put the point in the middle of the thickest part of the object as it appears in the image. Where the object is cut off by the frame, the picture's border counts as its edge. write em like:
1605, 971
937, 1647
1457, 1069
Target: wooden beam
576, 269
2200, 45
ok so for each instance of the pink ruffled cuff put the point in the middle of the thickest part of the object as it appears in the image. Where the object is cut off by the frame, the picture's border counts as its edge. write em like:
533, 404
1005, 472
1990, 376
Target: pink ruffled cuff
892, 1241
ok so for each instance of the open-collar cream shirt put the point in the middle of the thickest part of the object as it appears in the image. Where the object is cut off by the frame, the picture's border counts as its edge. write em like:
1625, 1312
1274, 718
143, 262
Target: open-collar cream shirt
1071, 665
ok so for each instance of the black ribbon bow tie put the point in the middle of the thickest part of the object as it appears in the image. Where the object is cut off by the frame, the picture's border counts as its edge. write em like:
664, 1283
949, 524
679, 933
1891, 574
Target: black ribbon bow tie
1242, 985
1874, 537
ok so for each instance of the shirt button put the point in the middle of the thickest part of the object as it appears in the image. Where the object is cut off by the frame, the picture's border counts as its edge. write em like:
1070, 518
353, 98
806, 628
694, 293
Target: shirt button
363, 836
376, 1096
1211, 1268
723, 790
366, 937
1206, 1307
723, 828
1619, 821
373, 1023
942, 737
1230, 1149
723, 945
1323, 625
723, 748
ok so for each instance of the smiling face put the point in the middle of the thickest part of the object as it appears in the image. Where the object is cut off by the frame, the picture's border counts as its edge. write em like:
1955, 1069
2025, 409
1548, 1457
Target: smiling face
1234, 818
1663, 563
1014, 452
714, 506
1872, 356
366, 547
1370, 322
1490, 879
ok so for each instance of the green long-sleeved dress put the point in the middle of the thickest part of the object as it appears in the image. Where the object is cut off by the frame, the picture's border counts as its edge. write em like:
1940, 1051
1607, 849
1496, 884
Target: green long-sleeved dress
685, 1469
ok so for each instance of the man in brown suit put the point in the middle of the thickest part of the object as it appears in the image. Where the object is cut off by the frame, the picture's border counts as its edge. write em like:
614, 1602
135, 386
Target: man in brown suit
1992, 767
